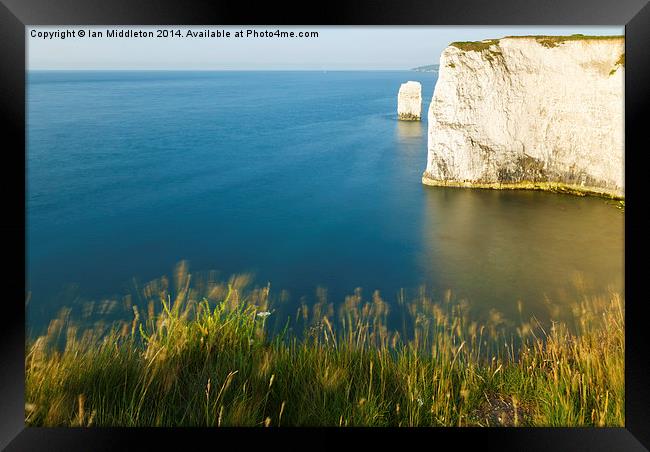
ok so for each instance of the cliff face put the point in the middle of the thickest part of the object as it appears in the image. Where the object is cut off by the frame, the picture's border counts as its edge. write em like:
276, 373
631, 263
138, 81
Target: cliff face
529, 112
409, 101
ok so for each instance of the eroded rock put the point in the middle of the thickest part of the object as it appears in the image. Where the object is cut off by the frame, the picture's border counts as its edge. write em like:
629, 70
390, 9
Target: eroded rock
409, 101
529, 112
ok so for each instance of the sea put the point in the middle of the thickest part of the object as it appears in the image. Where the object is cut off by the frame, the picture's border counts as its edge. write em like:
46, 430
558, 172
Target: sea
304, 180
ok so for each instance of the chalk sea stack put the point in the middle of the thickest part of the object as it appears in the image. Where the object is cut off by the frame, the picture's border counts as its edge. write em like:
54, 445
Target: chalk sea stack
409, 101
538, 112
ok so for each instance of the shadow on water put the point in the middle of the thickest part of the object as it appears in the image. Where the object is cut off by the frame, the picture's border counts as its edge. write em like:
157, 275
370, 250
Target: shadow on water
497, 248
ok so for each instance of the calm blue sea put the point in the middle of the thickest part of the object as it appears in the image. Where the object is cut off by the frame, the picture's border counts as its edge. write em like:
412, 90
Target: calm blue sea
304, 179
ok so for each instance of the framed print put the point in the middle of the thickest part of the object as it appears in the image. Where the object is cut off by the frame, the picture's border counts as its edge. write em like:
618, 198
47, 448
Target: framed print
385, 219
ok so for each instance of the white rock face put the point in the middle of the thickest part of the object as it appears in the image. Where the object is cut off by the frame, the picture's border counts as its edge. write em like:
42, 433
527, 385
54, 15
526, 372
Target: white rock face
526, 112
409, 101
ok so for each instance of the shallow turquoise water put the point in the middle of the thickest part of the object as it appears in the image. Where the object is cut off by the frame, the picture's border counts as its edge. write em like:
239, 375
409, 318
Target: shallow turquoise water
305, 179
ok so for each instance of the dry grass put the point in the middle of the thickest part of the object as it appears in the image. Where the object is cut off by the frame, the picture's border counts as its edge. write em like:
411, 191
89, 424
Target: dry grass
206, 358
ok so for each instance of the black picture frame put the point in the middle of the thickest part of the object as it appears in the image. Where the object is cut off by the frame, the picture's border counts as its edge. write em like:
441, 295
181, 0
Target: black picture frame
15, 15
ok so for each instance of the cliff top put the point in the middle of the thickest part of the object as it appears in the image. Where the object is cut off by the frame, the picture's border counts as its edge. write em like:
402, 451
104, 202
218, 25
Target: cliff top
546, 41
410, 87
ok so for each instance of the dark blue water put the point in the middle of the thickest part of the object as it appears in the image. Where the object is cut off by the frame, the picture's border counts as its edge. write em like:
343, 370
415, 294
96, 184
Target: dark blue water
304, 179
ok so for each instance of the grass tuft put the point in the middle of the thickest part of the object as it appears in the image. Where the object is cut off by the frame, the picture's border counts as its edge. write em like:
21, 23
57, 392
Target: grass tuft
475, 46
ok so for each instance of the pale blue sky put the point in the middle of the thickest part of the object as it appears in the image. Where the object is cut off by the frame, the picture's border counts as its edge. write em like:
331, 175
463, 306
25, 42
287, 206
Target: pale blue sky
336, 47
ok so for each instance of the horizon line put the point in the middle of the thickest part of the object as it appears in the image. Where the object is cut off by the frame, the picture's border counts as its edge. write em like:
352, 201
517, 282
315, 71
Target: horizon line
215, 70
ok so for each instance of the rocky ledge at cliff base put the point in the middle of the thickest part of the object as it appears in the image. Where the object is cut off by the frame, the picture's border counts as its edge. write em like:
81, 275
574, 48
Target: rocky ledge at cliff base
409, 101
539, 112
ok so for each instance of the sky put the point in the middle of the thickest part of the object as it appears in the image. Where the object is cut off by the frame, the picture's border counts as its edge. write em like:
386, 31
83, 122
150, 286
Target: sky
335, 48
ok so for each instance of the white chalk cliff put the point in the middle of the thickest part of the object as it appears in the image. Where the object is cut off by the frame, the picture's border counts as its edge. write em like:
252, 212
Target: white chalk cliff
409, 101
530, 112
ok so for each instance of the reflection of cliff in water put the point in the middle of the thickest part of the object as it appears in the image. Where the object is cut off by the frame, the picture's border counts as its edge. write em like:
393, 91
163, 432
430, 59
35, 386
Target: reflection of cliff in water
497, 247
411, 130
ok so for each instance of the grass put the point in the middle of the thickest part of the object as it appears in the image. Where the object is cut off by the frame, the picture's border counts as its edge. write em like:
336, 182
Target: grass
476, 46
211, 360
554, 41
546, 41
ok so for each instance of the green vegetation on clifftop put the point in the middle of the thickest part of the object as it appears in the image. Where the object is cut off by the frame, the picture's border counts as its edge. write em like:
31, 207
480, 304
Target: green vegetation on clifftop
546, 41
476, 46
